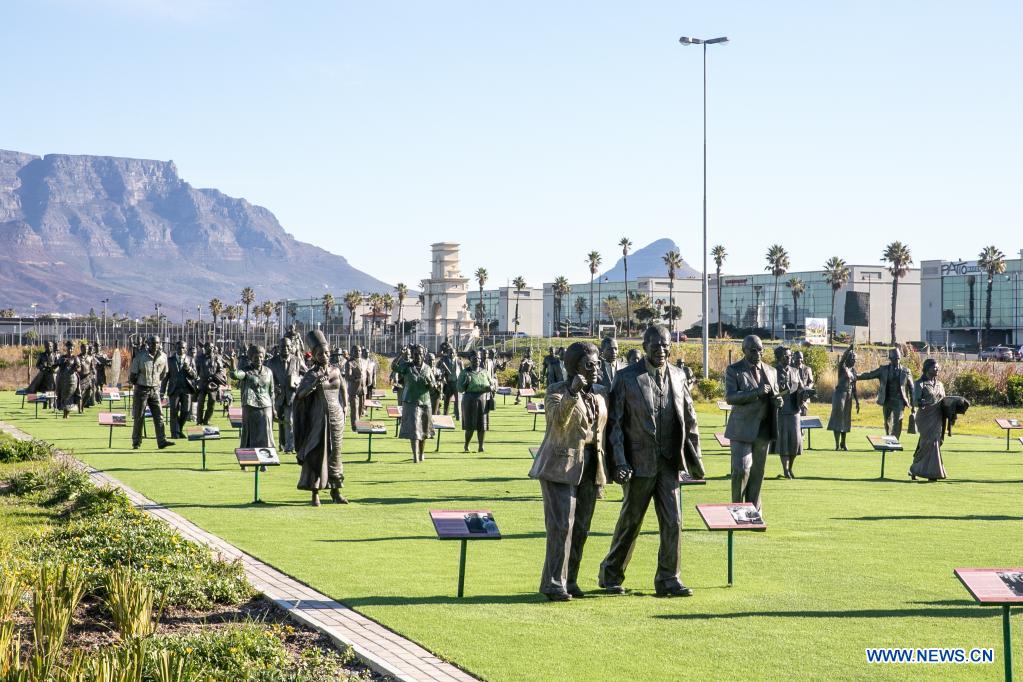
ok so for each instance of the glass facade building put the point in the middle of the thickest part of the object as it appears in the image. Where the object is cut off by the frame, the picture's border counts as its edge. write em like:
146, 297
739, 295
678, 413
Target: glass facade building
954, 309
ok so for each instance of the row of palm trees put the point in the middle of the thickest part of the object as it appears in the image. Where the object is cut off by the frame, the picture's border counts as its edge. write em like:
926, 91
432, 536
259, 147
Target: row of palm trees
248, 306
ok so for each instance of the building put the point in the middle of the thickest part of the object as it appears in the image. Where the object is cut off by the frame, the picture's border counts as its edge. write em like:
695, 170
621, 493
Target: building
445, 311
499, 309
609, 298
953, 306
747, 302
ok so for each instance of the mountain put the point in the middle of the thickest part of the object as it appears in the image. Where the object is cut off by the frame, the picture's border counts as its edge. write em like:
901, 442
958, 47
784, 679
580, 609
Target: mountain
649, 262
77, 229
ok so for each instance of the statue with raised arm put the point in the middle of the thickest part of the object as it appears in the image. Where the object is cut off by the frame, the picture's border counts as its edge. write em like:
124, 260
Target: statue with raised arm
287, 368
894, 391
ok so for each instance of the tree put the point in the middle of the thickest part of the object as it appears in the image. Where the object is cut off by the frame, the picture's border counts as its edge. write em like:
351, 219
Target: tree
328, 307
353, 299
266, 309
836, 274
376, 308
673, 260
971, 282
481, 276
7, 313
248, 298
216, 309
593, 262
992, 261
796, 288
402, 291
899, 259
519, 283
719, 254
580, 308
626, 244
560, 289
777, 265
231, 312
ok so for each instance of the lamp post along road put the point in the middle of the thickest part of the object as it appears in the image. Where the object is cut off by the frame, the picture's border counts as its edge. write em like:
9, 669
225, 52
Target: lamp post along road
685, 40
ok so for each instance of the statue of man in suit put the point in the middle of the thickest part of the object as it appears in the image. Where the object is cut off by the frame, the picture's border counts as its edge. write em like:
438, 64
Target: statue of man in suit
894, 391
181, 386
570, 468
609, 361
751, 388
654, 440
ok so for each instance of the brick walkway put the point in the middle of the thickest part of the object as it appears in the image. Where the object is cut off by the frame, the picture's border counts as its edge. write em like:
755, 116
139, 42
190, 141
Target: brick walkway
382, 650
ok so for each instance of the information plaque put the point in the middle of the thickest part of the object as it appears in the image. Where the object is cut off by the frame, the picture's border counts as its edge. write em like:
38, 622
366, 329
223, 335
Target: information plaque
996, 586
112, 420
1009, 425
464, 525
234, 415
808, 424
441, 423
203, 434
535, 409
394, 412
259, 459
369, 428
731, 517
884, 445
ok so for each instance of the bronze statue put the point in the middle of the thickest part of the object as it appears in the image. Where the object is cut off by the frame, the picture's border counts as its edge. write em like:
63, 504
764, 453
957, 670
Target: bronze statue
688, 371
148, 368
477, 387
371, 369
654, 439
610, 363
418, 379
789, 443
928, 398
633, 357
527, 374
287, 368
102, 363
86, 378
181, 386
356, 376
67, 380
570, 467
553, 371
751, 388
320, 424
45, 379
806, 379
894, 391
256, 383
843, 398
212, 376
450, 369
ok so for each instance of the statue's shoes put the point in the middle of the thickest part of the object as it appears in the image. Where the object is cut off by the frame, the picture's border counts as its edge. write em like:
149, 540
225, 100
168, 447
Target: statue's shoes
675, 591
613, 589
558, 596
576, 592
165, 444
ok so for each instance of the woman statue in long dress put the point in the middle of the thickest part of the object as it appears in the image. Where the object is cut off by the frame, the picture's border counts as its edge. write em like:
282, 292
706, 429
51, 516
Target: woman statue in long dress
257, 387
928, 392
320, 424
417, 378
477, 387
843, 398
789, 443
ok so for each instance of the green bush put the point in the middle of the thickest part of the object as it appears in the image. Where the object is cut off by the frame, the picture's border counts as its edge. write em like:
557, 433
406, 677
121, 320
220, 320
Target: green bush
709, 389
13, 450
817, 359
977, 388
1014, 389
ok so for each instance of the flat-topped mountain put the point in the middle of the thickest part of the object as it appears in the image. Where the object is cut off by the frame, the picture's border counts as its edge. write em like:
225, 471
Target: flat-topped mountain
77, 229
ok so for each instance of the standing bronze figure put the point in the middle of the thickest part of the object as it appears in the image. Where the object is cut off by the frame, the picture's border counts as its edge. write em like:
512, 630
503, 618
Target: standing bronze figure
417, 379
450, 370
355, 377
86, 377
212, 376
570, 467
67, 380
928, 395
527, 373
477, 387
46, 377
287, 368
181, 386
894, 391
148, 368
320, 424
789, 443
843, 398
806, 379
256, 383
654, 438
751, 388
610, 363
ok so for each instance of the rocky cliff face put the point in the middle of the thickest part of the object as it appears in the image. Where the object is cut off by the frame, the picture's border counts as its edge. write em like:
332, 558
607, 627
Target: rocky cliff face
77, 229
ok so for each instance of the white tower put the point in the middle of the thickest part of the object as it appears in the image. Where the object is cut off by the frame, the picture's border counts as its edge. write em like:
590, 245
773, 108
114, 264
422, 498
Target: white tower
445, 310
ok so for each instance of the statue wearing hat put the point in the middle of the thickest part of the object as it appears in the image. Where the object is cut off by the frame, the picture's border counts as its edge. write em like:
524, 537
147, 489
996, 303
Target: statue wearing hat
319, 420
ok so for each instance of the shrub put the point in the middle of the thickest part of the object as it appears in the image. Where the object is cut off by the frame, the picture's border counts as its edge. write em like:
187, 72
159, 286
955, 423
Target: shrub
976, 387
817, 359
12, 450
1014, 389
709, 389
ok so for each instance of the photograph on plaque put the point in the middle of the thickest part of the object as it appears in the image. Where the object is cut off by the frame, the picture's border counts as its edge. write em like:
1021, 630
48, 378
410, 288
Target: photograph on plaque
204, 433
1013, 580
480, 524
889, 440
257, 456
745, 515
119, 419
1014, 423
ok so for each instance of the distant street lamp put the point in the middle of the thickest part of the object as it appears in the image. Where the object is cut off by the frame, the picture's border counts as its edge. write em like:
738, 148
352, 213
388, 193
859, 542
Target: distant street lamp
685, 40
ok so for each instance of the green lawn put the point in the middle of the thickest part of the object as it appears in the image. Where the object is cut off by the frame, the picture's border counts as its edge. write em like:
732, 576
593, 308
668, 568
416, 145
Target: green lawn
848, 562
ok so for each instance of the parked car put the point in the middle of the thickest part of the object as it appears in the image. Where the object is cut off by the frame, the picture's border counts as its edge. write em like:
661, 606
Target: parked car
680, 337
1000, 353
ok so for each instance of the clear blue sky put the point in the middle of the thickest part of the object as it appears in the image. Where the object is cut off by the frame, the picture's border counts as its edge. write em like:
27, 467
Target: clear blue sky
533, 132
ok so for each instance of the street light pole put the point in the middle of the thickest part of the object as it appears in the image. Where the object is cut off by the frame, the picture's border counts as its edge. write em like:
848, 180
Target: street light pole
706, 289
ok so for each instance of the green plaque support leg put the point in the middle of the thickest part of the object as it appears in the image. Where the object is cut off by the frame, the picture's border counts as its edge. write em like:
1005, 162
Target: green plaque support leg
110, 440
730, 542
1006, 642
439, 431
369, 449
535, 415
1008, 436
255, 496
204, 457
461, 570
883, 453
37, 410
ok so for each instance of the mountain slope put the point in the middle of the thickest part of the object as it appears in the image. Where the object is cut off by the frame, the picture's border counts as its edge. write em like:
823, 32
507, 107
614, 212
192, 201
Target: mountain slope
649, 262
77, 229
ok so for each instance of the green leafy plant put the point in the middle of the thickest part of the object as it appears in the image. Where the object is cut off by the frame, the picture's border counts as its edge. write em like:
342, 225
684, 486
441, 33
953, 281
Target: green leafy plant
55, 596
13, 450
135, 607
1014, 389
709, 389
976, 387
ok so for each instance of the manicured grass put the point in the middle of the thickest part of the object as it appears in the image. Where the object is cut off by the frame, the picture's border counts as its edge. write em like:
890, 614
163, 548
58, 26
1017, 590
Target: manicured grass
848, 562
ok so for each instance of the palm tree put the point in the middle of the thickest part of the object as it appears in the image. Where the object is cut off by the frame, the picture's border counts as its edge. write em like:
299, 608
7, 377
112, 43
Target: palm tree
992, 261
402, 291
216, 308
560, 289
836, 274
248, 298
376, 307
719, 254
796, 288
672, 259
777, 265
593, 261
519, 283
353, 299
328, 308
231, 312
580, 308
481, 276
266, 308
626, 244
899, 259
971, 282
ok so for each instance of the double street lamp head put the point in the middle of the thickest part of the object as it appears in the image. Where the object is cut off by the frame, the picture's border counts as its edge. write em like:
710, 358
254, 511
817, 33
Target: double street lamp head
686, 40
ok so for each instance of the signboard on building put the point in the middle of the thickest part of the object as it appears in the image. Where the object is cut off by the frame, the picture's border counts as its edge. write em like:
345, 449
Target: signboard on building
960, 268
857, 309
735, 282
816, 330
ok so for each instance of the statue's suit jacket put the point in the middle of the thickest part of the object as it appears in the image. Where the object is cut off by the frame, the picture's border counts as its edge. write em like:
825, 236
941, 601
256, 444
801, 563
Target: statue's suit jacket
749, 408
882, 374
562, 454
633, 430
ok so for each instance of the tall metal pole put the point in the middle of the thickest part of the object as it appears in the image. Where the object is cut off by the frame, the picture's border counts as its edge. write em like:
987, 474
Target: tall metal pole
706, 289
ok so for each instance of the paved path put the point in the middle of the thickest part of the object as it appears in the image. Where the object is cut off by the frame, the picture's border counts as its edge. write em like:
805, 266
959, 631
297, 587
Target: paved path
382, 650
